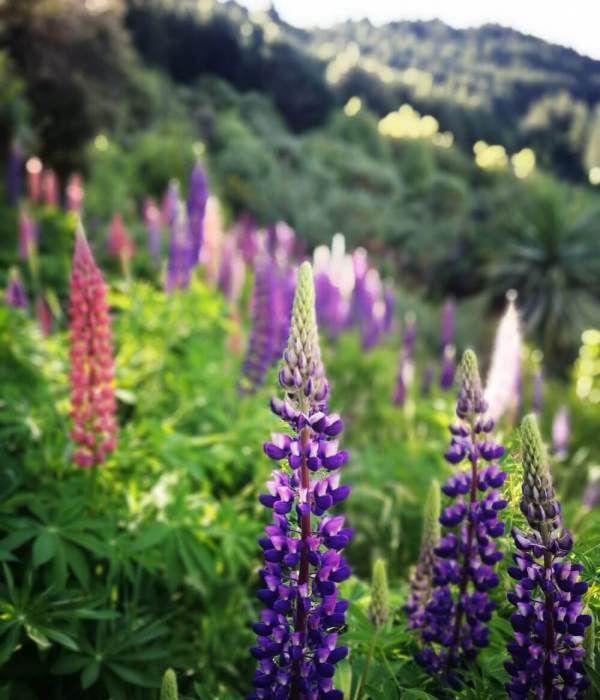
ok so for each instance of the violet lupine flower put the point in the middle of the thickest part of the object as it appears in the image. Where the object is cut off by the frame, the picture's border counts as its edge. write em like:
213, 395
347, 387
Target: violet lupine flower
503, 376
297, 635
448, 322
93, 405
179, 265
196, 209
448, 368
421, 580
263, 334
455, 618
561, 432
14, 173
247, 239
152, 218
549, 623
591, 495
28, 235
15, 295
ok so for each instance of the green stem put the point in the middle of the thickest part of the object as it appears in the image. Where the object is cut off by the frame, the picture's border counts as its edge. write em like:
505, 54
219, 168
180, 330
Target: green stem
363, 679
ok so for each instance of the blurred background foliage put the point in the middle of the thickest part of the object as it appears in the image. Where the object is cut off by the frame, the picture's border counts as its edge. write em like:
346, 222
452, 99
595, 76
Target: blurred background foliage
106, 582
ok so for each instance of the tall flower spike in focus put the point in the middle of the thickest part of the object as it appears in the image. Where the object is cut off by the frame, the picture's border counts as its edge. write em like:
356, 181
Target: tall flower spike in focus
92, 365
505, 370
297, 634
549, 623
168, 688
454, 626
422, 577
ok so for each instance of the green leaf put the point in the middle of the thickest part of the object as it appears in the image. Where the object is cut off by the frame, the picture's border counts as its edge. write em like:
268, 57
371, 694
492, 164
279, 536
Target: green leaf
60, 637
9, 644
153, 535
77, 563
90, 674
69, 663
131, 675
44, 547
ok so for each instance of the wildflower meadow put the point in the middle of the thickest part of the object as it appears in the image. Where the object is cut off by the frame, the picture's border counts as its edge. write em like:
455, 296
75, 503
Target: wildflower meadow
286, 415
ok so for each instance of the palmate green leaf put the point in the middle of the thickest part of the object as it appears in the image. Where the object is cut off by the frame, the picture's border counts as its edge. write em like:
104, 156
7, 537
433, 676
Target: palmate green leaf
90, 674
9, 643
77, 563
69, 663
131, 675
151, 536
45, 547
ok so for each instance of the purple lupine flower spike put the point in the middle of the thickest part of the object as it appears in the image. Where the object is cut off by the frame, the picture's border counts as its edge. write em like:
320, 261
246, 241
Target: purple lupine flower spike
196, 209
179, 265
15, 295
454, 622
448, 322
549, 623
151, 215
297, 635
263, 336
14, 173
448, 368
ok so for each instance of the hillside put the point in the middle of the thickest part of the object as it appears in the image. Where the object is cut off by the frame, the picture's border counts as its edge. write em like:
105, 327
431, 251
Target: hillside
490, 83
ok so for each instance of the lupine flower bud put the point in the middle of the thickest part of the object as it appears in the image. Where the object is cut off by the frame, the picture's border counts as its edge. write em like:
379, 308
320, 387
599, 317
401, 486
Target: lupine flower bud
28, 235
302, 374
297, 635
454, 621
196, 209
262, 340
49, 187
561, 432
43, 315
168, 689
34, 167
92, 366
15, 295
549, 622
74, 193
119, 242
421, 580
379, 608
152, 219
503, 376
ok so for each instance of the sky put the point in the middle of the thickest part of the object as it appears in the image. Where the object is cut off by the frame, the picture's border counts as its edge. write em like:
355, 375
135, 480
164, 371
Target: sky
573, 23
